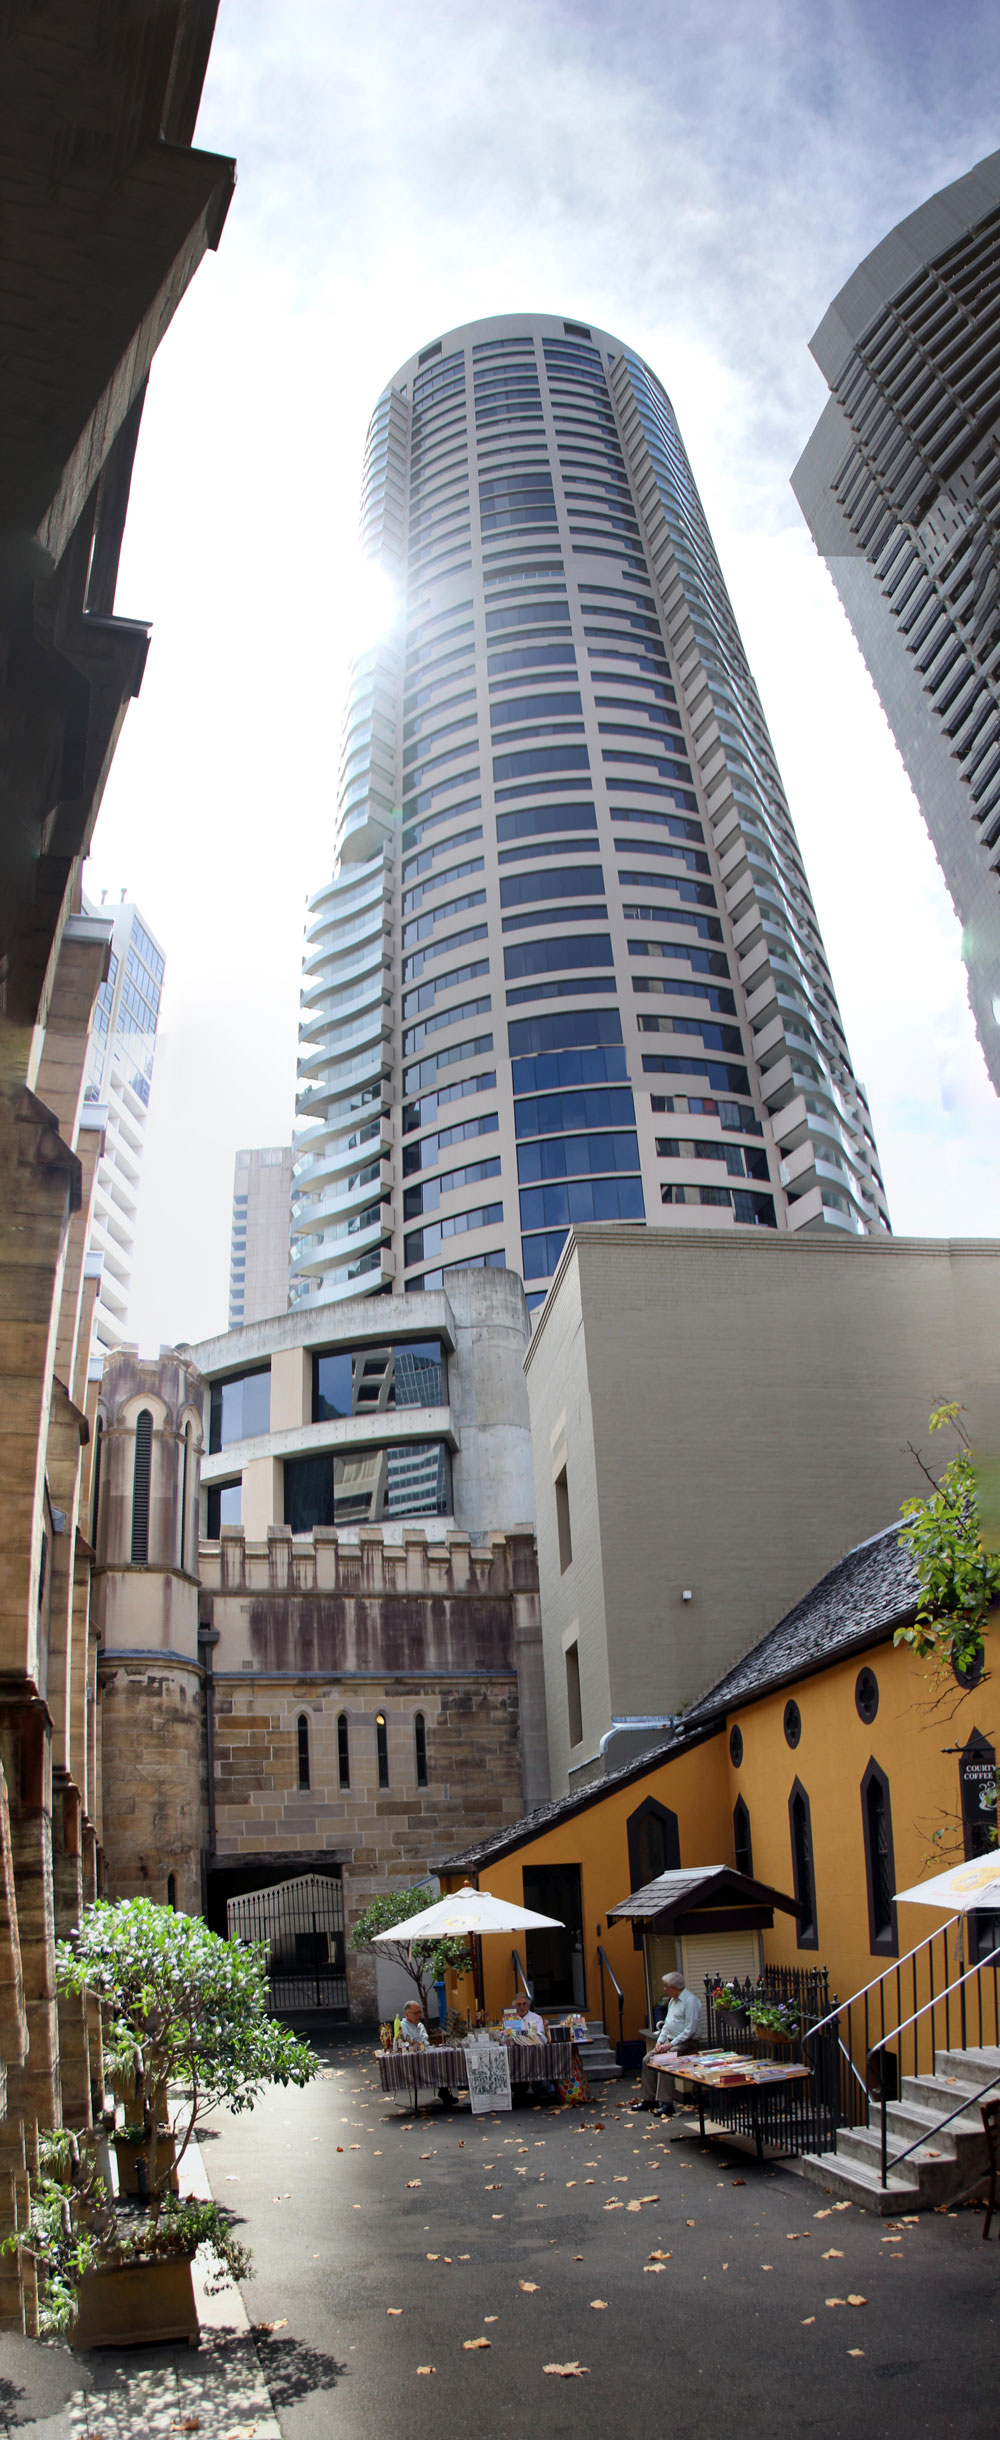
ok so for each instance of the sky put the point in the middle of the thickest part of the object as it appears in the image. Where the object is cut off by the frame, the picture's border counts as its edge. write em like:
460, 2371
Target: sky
698, 177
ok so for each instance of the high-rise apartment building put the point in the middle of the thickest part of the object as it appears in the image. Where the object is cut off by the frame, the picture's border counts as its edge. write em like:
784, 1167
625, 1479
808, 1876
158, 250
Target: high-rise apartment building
900, 484
258, 1258
118, 1077
567, 967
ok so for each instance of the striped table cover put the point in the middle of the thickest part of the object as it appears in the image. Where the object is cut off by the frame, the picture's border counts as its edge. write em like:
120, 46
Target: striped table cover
408, 2071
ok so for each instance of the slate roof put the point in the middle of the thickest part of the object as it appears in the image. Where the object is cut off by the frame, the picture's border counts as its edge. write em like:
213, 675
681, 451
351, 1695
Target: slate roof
677, 1892
869, 1592
866, 1594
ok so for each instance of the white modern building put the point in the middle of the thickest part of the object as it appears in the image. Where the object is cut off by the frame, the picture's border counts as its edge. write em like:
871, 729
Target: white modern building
567, 968
900, 484
258, 1253
118, 1079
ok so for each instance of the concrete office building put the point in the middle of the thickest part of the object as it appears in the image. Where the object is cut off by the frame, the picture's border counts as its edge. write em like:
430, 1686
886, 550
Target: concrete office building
900, 485
377, 1415
118, 1079
258, 1256
714, 1422
567, 967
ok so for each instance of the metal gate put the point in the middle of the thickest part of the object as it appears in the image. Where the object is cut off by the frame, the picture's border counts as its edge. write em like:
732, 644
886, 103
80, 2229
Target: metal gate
301, 1924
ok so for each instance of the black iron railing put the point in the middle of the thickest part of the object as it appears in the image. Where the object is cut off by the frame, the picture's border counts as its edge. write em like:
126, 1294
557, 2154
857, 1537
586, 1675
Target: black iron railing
895, 2024
961, 1999
605, 1962
802, 2115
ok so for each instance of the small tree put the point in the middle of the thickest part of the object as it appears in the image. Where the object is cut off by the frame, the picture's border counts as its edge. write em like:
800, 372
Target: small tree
425, 1961
184, 2007
959, 1581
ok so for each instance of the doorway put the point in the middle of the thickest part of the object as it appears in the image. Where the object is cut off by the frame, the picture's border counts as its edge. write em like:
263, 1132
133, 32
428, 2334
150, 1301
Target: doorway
554, 1959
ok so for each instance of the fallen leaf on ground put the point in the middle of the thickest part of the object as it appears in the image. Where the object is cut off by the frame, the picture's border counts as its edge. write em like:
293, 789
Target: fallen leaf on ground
494, 2187
432, 2257
657, 2255
598, 2304
411, 2183
832, 2300
857, 2300
834, 2253
840, 2206
649, 2198
855, 2350
423, 2156
809, 2317
394, 2311
739, 2181
258, 2325
529, 2287
822, 2215
425, 2368
652, 2266
567, 2371
615, 2206
470, 2344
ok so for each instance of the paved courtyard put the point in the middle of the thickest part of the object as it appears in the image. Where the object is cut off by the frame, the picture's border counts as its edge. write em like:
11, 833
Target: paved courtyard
432, 2267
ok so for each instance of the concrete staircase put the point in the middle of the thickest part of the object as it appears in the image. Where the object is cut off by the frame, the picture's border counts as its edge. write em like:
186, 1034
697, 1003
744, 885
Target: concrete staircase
947, 2164
600, 2065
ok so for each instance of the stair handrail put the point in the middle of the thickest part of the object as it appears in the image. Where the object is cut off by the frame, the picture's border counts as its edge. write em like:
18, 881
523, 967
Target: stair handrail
903, 2027
520, 1976
604, 1960
894, 1967
920, 2140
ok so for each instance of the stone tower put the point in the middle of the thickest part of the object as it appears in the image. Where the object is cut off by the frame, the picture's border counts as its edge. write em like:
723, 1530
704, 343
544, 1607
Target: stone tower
150, 1702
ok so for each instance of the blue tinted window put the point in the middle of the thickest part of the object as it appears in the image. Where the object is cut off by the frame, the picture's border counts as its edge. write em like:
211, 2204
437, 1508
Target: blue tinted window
564, 1032
527, 614
722, 1079
546, 956
551, 1112
240, 1408
574, 1156
225, 1507
562, 881
535, 819
544, 758
585, 1199
540, 1255
531, 707
530, 656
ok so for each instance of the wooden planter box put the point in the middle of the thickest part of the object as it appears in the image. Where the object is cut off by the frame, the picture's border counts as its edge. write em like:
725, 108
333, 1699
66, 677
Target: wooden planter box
141, 2304
128, 2155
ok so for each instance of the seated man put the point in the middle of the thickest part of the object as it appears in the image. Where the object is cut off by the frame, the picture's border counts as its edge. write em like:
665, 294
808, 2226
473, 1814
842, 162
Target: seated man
413, 2033
531, 2028
678, 2032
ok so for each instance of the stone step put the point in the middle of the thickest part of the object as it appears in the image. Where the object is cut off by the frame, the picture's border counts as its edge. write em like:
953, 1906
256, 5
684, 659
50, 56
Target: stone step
857, 2183
976, 2067
941, 2094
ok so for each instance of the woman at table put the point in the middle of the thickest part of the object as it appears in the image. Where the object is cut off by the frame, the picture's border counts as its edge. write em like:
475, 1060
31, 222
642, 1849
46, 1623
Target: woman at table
531, 2028
413, 2035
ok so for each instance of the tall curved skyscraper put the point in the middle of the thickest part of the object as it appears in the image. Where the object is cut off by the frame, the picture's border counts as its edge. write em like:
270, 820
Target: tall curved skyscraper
568, 967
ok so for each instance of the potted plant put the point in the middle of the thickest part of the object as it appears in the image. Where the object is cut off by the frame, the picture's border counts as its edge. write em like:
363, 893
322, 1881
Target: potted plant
185, 2009
728, 1999
777, 2022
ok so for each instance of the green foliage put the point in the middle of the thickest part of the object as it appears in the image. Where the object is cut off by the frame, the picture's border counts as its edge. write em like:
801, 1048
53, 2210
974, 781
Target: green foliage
959, 1581
184, 2008
425, 1961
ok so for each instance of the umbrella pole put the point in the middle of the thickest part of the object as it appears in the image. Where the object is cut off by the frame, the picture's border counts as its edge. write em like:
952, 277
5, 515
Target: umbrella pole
478, 1985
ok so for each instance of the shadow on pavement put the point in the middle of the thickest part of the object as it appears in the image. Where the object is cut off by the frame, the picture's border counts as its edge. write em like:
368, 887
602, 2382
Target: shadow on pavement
293, 2370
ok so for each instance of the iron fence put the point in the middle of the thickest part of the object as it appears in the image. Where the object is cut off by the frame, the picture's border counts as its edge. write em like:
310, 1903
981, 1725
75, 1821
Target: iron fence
301, 1925
800, 2116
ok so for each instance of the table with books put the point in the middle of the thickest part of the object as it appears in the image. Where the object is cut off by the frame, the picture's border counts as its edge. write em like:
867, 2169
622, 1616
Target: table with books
751, 2095
418, 2068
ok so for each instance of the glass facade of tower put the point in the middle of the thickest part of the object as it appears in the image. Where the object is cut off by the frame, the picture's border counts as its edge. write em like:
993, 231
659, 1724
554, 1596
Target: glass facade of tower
901, 488
567, 968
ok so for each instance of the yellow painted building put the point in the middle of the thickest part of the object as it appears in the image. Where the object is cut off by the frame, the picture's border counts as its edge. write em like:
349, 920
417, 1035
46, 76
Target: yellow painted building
828, 1764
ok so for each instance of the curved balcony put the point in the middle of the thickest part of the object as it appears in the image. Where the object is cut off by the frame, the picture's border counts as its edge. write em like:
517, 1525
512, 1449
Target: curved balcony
366, 1069
364, 1277
312, 1257
316, 1210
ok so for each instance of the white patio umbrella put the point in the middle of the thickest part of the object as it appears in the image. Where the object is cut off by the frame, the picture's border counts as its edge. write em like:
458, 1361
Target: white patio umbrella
469, 1913
972, 1884
469, 1910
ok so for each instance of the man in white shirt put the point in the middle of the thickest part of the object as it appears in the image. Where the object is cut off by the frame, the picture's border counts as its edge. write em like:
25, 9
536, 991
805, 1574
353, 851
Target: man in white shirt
678, 2033
532, 2026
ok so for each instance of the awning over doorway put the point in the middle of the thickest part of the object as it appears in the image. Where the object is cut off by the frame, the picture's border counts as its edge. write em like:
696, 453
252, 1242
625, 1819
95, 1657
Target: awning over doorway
704, 1898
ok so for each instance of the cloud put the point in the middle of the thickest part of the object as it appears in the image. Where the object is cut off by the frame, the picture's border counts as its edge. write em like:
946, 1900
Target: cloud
699, 176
